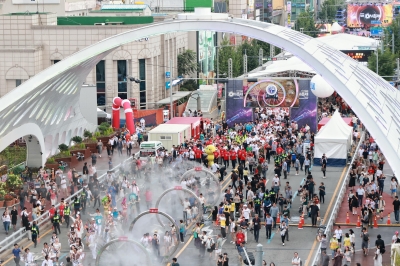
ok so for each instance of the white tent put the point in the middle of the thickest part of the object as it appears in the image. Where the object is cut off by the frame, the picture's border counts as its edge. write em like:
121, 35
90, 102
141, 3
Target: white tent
101, 113
334, 139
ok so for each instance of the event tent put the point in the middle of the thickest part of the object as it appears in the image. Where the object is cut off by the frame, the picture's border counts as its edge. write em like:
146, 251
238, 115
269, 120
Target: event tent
334, 139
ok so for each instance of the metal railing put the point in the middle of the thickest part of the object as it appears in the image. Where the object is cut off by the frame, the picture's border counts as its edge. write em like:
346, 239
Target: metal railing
339, 198
9, 242
16, 166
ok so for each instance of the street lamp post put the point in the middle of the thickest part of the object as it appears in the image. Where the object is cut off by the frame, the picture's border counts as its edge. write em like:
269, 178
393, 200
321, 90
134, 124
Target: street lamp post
170, 89
377, 60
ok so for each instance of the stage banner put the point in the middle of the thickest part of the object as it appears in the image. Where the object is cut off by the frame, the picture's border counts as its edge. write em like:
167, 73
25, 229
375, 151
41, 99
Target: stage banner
306, 114
265, 93
235, 112
365, 16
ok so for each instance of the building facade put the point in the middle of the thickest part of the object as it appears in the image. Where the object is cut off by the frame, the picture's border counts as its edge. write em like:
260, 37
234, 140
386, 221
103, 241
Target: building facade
29, 43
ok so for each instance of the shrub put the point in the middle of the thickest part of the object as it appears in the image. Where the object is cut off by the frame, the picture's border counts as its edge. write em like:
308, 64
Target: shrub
14, 181
63, 147
51, 160
77, 139
87, 134
104, 127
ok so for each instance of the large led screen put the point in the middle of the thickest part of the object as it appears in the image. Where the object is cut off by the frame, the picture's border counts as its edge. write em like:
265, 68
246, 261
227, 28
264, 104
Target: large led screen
365, 16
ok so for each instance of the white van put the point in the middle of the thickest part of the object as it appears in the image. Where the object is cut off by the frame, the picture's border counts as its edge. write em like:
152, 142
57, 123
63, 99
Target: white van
148, 148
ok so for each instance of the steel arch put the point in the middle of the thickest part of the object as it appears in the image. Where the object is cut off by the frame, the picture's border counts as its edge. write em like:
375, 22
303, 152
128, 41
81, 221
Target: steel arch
122, 239
151, 211
178, 188
373, 99
190, 171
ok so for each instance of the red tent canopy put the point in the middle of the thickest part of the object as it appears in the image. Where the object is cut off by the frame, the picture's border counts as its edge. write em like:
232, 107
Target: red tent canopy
325, 120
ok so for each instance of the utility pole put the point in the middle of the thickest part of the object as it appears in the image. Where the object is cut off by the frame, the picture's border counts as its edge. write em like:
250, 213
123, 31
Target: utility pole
259, 255
245, 64
392, 43
170, 89
260, 57
398, 68
377, 60
271, 50
230, 74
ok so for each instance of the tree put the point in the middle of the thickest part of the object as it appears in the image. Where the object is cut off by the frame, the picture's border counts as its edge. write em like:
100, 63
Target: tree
328, 10
305, 21
187, 63
395, 30
224, 53
386, 63
189, 85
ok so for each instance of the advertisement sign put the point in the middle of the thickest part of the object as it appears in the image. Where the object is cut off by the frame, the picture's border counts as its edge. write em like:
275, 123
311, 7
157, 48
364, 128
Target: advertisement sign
235, 112
368, 15
277, 4
358, 55
306, 114
271, 93
206, 56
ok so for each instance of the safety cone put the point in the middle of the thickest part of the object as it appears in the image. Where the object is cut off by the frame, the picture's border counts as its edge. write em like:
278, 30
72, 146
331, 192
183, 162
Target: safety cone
347, 218
301, 221
388, 221
278, 219
375, 223
358, 222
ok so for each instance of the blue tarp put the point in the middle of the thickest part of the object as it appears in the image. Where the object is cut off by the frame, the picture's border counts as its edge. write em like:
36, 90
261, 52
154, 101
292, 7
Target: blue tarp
331, 162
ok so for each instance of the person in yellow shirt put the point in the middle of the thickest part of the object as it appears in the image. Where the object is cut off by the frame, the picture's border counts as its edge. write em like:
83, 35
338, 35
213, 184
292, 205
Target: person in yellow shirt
333, 245
233, 206
222, 222
246, 175
346, 241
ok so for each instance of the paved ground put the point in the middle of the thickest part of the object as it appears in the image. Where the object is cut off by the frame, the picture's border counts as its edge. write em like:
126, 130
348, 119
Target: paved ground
301, 241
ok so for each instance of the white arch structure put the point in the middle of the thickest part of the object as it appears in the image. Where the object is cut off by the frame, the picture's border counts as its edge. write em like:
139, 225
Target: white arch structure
45, 98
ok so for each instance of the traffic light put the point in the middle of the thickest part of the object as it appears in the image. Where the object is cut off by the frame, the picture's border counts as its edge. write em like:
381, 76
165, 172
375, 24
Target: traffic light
251, 258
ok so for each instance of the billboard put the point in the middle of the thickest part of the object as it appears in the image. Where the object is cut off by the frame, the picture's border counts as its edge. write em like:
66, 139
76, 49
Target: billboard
369, 15
235, 112
358, 55
306, 114
271, 93
206, 56
277, 4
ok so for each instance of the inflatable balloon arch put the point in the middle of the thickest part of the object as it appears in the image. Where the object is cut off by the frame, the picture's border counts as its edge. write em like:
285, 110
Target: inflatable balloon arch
126, 104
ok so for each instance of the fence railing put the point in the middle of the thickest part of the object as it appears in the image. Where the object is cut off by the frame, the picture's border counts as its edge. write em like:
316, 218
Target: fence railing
9, 241
338, 202
20, 165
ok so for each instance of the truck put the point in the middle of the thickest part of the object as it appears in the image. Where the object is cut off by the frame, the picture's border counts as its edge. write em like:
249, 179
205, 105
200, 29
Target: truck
170, 134
196, 124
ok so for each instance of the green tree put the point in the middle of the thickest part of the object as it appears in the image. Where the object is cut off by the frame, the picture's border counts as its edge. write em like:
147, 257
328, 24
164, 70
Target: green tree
386, 63
305, 21
189, 85
329, 9
395, 30
187, 63
224, 53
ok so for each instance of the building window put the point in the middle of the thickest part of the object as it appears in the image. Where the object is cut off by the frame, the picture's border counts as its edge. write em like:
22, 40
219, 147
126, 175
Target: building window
101, 83
55, 61
142, 77
165, 137
18, 82
122, 82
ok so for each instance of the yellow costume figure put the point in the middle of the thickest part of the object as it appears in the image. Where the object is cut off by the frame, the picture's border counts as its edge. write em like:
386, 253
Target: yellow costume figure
210, 149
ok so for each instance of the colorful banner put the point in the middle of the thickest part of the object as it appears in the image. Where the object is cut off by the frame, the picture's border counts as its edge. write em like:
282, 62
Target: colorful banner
306, 114
271, 93
235, 112
206, 56
365, 16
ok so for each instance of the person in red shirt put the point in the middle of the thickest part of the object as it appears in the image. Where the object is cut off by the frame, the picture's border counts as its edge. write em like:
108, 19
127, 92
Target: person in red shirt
198, 154
216, 156
279, 150
226, 158
242, 156
239, 237
52, 211
221, 154
61, 209
233, 156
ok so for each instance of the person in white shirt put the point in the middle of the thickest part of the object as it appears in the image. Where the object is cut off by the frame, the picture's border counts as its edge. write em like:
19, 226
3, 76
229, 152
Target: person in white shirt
28, 257
296, 259
246, 213
47, 261
395, 237
339, 233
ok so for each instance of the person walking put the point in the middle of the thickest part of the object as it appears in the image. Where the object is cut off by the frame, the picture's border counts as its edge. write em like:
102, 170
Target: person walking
56, 222
322, 193
35, 233
282, 230
256, 227
378, 257
307, 166
365, 240
269, 221
6, 221
314, 211
396, 207
17, 254
324, 161
182, 230
14, 218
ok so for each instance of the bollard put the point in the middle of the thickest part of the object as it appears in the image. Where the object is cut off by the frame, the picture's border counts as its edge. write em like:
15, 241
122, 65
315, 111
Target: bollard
259, 254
